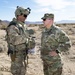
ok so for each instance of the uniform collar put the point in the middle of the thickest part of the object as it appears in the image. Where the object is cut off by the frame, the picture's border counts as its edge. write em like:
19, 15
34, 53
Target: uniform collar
47, 30
19, 22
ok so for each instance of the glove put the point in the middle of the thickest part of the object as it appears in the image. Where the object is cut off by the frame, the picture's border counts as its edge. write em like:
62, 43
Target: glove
31, 51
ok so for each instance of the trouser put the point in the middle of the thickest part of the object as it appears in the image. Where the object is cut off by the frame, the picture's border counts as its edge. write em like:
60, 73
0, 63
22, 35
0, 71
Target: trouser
17, 66
49, 69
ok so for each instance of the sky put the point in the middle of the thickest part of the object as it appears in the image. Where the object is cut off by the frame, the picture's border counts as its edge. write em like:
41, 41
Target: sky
62, 9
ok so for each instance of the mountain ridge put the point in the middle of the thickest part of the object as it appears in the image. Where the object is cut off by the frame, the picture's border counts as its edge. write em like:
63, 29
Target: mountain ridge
40, 22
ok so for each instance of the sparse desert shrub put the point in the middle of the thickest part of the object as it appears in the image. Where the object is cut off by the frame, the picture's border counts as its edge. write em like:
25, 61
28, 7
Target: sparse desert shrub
3, 27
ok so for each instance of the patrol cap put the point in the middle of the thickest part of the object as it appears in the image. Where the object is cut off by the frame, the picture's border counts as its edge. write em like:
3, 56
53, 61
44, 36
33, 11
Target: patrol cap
48, 15
22, 11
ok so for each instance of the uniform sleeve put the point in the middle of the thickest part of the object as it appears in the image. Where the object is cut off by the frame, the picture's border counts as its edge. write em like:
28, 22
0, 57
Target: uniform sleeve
64, 42
15, 37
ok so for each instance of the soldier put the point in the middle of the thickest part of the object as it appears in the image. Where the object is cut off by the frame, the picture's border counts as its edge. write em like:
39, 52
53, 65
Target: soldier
18, 41
53, 42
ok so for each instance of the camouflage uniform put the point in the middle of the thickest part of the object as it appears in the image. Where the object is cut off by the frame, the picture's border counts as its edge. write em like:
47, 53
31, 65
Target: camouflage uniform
18, 39
53, 39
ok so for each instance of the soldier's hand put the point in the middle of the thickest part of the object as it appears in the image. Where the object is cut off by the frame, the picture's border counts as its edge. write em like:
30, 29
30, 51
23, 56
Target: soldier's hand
53, 53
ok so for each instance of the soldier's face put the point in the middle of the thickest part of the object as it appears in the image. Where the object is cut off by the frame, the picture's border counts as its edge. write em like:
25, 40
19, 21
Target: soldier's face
47, 22
22, 18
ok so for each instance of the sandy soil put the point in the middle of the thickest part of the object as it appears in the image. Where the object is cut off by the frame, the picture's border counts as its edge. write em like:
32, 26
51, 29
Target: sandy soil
35, 63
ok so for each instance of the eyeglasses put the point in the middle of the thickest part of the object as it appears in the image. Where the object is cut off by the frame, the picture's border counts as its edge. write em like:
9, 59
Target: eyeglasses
47, 19
44, 19
25, 15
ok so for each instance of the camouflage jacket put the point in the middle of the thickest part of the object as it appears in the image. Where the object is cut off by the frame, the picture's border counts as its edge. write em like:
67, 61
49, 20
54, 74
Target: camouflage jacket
54, 39
18, 36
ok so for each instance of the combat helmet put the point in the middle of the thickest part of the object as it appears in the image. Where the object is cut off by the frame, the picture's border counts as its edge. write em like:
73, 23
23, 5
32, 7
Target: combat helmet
22, 11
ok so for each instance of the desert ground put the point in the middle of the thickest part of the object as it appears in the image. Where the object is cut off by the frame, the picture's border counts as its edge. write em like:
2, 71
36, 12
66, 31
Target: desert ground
35, 66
